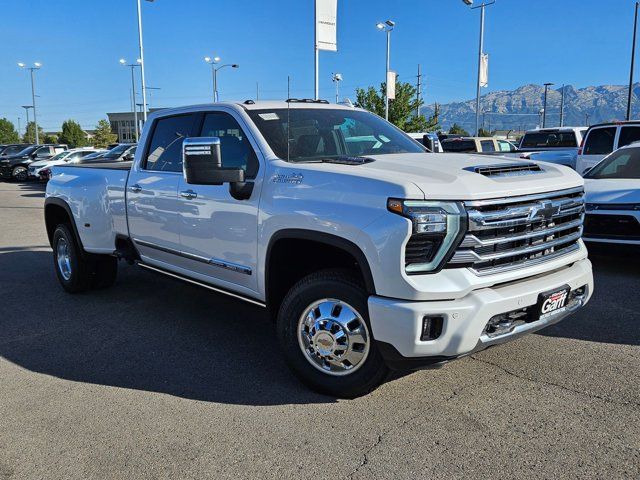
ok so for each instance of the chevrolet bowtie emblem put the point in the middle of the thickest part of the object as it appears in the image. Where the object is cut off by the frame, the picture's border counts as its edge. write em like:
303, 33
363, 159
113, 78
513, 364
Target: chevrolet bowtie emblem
544, 210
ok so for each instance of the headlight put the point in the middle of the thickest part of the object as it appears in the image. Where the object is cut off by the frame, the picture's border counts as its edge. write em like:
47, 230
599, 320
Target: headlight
436, 226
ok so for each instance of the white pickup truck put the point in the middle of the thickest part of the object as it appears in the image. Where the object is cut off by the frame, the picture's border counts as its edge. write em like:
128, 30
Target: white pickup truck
370, 253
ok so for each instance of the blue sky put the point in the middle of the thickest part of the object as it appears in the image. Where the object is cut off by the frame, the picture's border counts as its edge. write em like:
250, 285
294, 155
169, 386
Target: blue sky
79, 42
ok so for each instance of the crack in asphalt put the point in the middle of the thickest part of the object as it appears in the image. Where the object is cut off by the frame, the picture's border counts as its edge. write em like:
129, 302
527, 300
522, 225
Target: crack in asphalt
551, 384
365, 456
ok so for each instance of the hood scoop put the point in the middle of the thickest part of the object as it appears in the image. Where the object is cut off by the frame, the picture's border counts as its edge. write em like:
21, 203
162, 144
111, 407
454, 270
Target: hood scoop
514, 170
347, 160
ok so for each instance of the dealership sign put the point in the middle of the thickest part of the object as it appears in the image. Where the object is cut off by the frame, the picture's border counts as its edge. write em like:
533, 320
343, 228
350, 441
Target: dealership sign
326, 25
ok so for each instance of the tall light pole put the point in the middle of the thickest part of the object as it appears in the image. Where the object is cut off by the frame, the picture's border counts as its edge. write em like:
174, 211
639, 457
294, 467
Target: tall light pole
36, 66
544, 107
213, 61
123, 62
26, 108
140, 44
337, 78
562, 107
387, 27
633, 59
480, 53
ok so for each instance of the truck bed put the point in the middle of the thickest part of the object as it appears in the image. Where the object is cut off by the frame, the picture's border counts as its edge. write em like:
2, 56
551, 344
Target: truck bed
96, 195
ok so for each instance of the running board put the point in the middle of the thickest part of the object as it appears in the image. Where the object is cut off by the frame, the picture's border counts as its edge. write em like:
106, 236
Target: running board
203, 285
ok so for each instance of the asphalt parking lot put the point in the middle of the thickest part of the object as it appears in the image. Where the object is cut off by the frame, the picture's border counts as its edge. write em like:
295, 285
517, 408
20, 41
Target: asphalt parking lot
157, 379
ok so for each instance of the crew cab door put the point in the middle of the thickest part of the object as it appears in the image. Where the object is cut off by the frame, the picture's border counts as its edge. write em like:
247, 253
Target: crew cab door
218, 232
152, 190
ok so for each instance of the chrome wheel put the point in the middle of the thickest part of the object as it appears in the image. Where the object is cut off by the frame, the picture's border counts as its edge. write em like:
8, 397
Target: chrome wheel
20, 174
333, 337
64, 259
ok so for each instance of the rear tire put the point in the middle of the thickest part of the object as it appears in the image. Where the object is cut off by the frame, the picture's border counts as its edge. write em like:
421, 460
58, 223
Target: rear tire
73, 271
323, 328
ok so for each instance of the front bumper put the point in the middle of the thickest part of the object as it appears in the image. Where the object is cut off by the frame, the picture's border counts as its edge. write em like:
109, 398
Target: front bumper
6, 172
397, 324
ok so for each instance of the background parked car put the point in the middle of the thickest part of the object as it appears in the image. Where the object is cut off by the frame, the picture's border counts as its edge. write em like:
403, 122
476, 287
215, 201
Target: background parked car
552, 145
470, 145
67, 156
613, 198
16, 166
604, 138
122, 153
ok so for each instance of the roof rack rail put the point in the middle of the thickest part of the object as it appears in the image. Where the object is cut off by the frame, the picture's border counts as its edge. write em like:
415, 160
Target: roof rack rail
305, 100
249, 102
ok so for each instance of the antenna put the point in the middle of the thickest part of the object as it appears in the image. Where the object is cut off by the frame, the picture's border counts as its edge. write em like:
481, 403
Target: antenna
288, 118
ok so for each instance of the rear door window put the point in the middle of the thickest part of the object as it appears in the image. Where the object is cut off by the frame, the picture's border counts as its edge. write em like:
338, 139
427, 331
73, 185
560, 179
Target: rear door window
459, 146
600, 141
487, 146
628, 135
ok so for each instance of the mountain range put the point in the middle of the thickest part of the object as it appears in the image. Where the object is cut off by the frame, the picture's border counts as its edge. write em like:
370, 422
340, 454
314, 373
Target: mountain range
520, 108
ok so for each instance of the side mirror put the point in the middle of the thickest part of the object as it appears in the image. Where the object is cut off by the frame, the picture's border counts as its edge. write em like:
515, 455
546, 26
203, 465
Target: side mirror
128, 157
202, 163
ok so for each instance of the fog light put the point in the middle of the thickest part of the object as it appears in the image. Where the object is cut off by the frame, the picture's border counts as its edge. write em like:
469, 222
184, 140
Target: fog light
431, 327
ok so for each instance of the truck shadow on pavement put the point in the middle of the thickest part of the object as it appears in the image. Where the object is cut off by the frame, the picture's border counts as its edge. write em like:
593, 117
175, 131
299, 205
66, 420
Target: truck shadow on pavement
148, 332
155, 334
613, 314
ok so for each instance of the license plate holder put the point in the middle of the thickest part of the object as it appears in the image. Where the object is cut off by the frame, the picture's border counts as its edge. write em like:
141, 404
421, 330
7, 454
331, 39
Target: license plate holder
552, 302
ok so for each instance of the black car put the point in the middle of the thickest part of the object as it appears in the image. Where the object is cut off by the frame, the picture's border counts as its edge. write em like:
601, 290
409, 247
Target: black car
15, 167
12, 149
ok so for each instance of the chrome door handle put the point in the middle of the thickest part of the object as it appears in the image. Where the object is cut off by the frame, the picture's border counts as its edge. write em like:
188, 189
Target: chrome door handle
188, 194
135, 188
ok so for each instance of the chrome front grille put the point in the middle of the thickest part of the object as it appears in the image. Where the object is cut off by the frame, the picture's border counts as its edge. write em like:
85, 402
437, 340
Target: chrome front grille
510, 233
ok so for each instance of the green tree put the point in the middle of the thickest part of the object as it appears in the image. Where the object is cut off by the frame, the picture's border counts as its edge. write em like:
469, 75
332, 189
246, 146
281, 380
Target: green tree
8, 132
402, 110
484, 133
50, 138
73, 135
30, 133
458, 130
103, 137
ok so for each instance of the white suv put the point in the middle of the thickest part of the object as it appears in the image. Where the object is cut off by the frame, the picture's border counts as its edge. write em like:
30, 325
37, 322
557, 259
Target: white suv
603, 139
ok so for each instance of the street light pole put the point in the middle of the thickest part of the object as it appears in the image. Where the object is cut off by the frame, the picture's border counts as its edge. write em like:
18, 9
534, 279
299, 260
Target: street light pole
337, 78
26, 108
214, 73
36, 66
480, 53
123, 62
633, 59
387, 27
140, 43
544, 108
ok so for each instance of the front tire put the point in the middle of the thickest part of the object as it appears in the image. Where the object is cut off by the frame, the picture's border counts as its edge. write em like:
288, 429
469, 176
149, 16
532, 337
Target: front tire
323, 327
21, 174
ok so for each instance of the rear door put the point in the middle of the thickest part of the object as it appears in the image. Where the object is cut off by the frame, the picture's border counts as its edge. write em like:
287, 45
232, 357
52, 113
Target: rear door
152, 190
599, 143
218, 232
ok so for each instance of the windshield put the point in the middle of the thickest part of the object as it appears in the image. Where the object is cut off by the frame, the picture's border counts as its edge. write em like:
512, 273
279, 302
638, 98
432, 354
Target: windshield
549, 140
28, 150
624, 163
321, 133
59, 156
